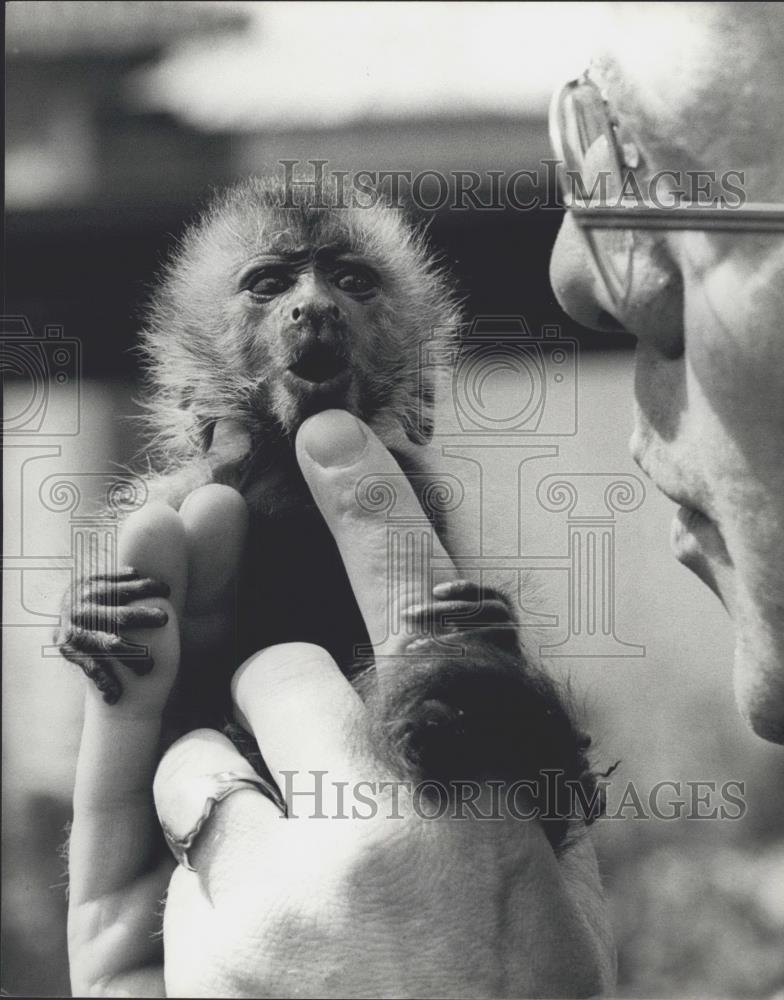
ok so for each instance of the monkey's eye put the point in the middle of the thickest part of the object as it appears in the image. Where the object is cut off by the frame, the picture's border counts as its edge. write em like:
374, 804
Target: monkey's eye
268, 284
356, 280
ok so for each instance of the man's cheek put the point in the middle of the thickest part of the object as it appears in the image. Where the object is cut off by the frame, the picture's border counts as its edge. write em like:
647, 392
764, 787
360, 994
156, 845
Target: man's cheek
651, 305
734, 342
661, 400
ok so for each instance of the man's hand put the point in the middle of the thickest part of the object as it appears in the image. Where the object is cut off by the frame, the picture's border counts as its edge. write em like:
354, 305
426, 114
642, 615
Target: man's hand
389, 905
360, 894
383, 902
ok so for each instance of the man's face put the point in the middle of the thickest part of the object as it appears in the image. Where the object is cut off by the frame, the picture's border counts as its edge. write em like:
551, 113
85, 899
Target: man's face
708, 312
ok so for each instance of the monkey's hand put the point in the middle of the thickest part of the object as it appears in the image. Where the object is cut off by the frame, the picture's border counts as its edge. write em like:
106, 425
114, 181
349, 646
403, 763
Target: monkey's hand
96, 609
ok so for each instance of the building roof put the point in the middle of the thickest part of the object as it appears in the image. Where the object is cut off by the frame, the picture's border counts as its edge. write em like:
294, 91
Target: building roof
49, 28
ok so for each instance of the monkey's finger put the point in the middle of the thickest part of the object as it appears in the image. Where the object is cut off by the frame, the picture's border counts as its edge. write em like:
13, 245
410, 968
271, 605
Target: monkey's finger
230, 831
123, 573
113, 619
112, 592
303, 712
113, 837
101, 673
357, 484
216, 524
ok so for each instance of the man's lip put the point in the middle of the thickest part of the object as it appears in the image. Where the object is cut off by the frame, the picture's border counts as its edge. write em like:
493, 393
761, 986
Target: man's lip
693, 530
697, 543
695, 538
683, 501
666, 488
672, 493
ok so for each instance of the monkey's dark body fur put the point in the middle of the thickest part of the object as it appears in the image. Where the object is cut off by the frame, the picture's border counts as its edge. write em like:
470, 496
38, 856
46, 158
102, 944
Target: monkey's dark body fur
264, 316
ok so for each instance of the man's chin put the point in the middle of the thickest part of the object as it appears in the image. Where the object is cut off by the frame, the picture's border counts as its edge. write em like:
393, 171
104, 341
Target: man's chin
759, 693
758, 673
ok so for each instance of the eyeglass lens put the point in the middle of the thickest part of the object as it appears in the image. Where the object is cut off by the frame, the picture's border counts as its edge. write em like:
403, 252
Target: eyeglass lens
592, 173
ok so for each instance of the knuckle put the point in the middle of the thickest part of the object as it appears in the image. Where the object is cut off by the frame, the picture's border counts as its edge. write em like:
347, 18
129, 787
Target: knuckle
69, 653
89, 617
89, 594
280, 669
286, 658
187, 757
291, 653
65, 639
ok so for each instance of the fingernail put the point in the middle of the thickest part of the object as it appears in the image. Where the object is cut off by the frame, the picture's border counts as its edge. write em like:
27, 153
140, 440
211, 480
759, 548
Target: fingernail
334, 438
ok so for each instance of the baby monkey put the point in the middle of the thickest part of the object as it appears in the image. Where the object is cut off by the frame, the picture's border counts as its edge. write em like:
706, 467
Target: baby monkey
267, 313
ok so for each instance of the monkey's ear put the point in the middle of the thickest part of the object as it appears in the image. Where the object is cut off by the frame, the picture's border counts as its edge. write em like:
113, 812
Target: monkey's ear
418, 421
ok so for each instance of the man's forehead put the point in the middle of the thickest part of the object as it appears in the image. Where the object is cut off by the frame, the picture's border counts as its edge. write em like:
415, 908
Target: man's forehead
655, 52
714, 38
697, 81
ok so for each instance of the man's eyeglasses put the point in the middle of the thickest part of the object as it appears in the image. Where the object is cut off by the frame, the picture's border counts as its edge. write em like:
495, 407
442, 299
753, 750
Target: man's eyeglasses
587, 140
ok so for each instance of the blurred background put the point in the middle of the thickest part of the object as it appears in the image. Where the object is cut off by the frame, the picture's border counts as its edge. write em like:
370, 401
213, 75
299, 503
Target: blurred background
120, 118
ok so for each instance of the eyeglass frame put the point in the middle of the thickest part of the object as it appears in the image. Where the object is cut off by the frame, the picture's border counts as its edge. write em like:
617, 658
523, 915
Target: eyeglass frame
757, 217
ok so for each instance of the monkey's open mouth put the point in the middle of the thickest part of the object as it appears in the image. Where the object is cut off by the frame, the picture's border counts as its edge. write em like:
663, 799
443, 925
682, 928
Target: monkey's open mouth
319, 363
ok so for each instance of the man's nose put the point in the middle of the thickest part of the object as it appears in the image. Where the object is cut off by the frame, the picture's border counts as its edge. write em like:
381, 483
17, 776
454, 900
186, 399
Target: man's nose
578, 288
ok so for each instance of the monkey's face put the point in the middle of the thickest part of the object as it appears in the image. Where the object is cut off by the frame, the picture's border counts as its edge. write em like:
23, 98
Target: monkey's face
312, 317
270, 311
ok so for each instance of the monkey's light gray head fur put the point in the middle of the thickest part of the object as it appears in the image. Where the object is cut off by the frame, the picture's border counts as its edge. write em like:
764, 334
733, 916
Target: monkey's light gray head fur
210, 355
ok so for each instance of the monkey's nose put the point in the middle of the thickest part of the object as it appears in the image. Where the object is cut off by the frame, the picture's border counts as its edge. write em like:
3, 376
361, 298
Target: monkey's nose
303, 312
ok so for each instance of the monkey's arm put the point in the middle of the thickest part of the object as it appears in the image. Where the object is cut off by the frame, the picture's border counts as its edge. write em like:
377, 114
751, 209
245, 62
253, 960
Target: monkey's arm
96, 609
